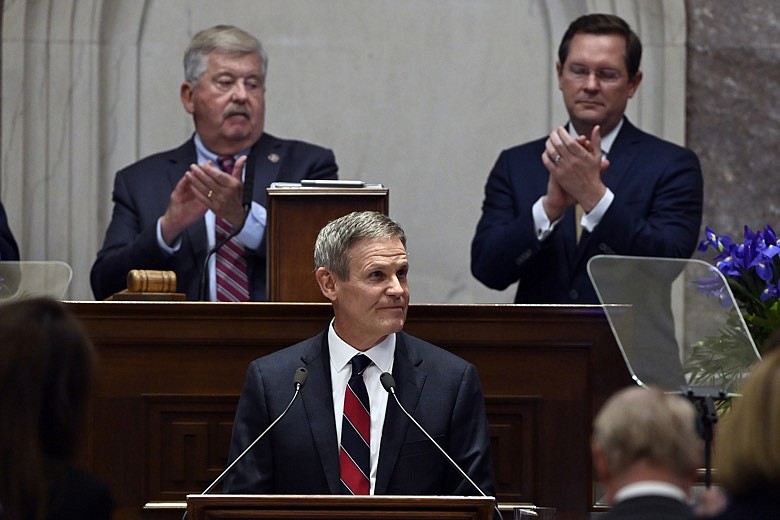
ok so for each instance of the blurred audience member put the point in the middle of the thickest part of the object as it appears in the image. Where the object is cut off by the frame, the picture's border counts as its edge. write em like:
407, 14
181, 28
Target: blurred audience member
46, 369
645, 452
747, 446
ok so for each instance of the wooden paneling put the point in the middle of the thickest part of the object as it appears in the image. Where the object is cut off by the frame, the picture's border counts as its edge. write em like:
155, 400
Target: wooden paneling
171, 374
295, 217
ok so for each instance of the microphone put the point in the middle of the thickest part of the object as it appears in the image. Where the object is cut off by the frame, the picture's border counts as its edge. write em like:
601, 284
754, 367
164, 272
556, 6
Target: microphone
299, 380
246, 203
249, 182
388, 383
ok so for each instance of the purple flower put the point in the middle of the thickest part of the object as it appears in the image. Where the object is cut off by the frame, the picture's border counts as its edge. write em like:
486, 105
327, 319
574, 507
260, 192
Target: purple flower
752, 269
715, 287
719, 242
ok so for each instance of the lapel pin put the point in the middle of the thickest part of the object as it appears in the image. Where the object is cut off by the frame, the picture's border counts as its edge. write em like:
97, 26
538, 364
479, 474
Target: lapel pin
274, 158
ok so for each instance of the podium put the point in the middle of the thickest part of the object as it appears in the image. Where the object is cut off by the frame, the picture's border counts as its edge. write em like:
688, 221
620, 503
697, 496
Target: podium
296, 213
324, 507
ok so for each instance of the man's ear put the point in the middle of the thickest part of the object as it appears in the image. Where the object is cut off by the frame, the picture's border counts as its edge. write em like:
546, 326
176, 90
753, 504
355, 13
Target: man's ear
633, 83
327, 283
186, 93
599, 462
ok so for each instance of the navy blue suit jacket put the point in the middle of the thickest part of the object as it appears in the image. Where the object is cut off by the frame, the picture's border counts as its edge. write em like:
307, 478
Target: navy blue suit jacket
656, 212
9, 251
301, 455
141, 195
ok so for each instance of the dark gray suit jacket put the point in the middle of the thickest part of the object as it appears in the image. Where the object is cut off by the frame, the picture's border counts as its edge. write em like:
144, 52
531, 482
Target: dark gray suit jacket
141, 195
301, 456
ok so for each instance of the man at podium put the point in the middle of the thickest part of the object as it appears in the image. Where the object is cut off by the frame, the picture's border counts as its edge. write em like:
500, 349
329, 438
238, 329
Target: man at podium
171, 208
346, 434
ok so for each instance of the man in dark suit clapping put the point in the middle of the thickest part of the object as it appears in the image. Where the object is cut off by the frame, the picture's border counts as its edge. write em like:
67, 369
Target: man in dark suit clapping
598, 185
170, 208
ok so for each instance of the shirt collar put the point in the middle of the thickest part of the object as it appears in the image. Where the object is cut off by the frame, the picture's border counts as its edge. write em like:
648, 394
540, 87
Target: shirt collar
650, 487
204, 154
341, 352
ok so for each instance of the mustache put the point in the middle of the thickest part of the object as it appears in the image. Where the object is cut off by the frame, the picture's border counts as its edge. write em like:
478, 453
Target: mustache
236, 110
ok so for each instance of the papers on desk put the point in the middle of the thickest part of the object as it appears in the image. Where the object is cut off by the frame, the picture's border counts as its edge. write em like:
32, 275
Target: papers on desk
325, 183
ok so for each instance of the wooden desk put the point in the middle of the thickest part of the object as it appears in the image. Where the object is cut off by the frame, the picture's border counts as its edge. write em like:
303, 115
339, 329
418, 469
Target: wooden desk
337, 507
171, 374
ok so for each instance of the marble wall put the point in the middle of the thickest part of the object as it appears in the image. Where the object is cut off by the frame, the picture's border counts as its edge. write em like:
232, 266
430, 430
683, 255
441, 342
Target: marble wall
420, 95
733, 110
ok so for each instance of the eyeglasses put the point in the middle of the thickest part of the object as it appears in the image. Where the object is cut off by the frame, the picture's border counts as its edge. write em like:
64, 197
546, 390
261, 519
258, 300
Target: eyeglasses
581, 73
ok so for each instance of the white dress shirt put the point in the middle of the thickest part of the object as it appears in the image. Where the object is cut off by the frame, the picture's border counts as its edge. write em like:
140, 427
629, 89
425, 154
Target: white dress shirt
341, 354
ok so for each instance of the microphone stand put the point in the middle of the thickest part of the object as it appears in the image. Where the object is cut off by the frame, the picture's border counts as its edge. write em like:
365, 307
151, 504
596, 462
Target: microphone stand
236, 230
300, 379
703, 399
389, 385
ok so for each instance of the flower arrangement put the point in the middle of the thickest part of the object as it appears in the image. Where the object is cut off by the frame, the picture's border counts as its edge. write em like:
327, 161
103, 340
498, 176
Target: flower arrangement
752, 270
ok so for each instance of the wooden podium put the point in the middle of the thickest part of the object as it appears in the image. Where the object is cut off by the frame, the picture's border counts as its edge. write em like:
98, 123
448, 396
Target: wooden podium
296, 214
324, 507
171, 375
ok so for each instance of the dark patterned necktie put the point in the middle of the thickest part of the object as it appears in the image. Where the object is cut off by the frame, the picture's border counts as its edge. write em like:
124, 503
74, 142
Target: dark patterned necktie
355, 449
231, 266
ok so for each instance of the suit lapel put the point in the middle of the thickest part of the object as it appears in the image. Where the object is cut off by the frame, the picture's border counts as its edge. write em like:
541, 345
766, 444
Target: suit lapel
622, 155
269, 154
318, 404
409, 380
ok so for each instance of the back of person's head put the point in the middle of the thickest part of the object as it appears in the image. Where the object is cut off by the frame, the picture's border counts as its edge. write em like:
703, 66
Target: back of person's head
645, 425
331, 249
226, 39
747, 439
46, 369
601, 24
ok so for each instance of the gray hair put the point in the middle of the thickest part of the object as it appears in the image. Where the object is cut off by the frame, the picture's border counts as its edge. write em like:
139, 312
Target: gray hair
334, 241
220, 38
646, 424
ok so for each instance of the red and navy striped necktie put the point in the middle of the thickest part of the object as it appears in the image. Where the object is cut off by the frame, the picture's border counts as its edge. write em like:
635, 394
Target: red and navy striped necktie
231, 266
355, 449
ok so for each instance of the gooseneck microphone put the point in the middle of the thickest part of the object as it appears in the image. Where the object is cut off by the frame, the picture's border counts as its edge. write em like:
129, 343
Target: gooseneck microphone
388, 382
246, 203
249, 182
300, 379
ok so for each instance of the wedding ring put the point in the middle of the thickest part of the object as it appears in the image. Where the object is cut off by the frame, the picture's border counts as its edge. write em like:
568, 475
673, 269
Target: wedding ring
556, 158
210, 193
